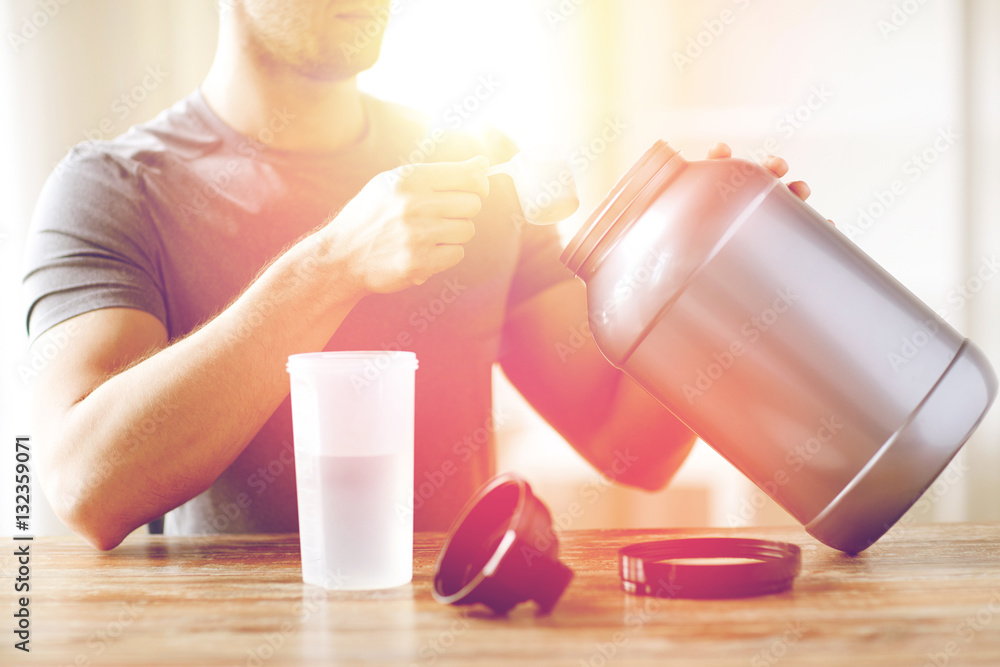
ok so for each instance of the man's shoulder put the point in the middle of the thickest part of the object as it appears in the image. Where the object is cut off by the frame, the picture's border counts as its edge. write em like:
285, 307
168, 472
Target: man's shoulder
176, 133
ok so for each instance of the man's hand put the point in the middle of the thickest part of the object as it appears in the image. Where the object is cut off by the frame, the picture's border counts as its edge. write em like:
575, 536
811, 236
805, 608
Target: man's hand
775, 165
408, 224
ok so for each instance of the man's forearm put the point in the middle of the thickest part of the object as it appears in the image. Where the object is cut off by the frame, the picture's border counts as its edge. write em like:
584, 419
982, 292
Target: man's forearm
207, 394
640, 442
611, 421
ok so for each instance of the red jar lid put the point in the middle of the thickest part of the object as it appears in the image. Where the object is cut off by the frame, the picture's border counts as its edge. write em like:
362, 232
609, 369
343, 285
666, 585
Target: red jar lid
630, 197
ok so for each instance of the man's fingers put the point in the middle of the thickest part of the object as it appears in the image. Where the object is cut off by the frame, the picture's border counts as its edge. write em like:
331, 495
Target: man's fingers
454, 232
454, 204
443, 257
468, 176
776, 165
779, 168
440, 257
800, 189
719, 150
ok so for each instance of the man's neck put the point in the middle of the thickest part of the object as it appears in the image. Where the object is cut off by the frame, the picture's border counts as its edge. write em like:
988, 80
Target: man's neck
326, 115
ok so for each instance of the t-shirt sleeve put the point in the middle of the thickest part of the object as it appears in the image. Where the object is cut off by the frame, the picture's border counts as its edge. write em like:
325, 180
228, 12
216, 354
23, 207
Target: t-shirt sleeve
90, 244
538, 266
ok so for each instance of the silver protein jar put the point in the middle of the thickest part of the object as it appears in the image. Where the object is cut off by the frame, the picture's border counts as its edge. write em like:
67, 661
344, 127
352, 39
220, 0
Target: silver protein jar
778, 341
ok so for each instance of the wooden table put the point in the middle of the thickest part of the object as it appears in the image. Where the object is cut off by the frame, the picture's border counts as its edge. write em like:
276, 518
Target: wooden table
922, 592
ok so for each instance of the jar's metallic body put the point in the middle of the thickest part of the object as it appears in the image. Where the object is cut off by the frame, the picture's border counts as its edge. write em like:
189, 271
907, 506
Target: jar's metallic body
779, 342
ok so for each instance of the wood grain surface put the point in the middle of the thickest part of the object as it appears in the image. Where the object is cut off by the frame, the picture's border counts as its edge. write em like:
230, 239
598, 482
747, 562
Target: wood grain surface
923, 595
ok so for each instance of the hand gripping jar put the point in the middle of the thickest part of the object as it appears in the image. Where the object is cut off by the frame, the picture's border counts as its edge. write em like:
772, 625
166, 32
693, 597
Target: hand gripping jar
778, 341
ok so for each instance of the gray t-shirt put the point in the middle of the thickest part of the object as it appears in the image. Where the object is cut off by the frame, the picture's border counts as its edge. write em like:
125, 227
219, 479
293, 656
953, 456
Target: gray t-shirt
177, 216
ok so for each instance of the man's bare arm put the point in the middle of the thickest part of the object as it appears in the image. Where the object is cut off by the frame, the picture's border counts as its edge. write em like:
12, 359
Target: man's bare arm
121, 447
198, 401
611, 421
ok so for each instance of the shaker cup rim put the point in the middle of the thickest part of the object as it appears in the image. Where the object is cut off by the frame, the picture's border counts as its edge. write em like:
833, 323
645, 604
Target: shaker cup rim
349, 358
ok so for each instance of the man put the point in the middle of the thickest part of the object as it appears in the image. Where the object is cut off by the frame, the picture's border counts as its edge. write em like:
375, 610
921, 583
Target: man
268, 214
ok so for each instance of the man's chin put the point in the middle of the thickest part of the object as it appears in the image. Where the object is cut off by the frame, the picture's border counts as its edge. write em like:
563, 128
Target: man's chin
346, 63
